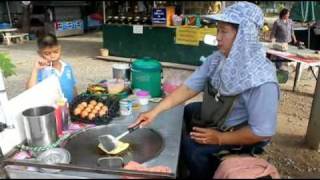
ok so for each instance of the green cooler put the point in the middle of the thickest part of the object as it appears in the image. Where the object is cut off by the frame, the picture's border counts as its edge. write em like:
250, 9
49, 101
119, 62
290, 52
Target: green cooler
146, 74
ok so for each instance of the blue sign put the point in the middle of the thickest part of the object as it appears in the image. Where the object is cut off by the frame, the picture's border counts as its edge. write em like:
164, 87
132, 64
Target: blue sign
69, 25
159, 16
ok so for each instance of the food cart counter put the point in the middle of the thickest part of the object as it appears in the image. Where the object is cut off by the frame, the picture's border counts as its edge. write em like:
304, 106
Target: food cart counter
168, 125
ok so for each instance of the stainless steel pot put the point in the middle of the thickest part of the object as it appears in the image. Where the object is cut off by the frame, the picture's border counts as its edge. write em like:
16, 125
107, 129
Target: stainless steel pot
121, 71
40, 125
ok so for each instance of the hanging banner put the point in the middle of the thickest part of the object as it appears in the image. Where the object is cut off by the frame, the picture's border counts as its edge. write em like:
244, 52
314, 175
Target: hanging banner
187, 36
203, 31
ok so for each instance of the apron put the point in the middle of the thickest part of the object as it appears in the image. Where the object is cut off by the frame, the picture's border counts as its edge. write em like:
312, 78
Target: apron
215, 109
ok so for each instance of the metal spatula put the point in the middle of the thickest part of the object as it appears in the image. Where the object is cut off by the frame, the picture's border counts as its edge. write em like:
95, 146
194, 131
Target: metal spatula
110, 143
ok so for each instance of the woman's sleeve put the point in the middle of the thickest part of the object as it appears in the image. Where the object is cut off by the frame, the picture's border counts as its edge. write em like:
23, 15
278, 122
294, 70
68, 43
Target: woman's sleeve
292, 30
197, 79
262, 105
274, 29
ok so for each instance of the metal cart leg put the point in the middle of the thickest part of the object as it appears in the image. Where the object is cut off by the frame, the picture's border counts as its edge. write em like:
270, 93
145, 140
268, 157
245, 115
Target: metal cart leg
297, 76
314, 74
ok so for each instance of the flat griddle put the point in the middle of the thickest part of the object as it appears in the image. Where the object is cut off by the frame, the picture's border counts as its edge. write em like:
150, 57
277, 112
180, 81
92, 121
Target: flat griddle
145, 144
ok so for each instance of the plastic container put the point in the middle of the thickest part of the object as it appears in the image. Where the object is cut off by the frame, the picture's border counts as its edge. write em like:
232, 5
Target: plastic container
115, 86
171, 85
146, 75
143, 97
125, 107
121, 71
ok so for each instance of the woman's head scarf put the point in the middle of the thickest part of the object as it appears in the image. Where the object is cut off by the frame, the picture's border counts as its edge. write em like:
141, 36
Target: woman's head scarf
246, 65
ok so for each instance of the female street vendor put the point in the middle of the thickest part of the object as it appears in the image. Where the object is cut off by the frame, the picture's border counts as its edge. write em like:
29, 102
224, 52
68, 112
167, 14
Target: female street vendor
241, 93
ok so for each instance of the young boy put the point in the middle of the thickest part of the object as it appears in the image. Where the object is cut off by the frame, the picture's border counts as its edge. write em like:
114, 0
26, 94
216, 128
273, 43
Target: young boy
50, 63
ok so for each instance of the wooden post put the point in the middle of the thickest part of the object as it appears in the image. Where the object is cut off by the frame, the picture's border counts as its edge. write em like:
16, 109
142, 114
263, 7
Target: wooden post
313, 131
104, 11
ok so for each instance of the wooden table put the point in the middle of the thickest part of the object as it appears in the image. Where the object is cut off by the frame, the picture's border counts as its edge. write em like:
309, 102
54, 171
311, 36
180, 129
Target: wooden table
291, 55
8, 30
12, 33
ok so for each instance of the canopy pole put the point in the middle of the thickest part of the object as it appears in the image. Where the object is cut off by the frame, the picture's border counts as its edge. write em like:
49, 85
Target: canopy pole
309, 35
9, 14
104, 11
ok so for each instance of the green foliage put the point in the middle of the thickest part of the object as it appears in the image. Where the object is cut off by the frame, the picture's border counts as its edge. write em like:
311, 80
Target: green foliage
282, 76
280, 7
6, 66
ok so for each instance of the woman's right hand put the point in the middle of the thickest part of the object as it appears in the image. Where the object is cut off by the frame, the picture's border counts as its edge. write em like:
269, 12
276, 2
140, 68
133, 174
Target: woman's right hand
144, 118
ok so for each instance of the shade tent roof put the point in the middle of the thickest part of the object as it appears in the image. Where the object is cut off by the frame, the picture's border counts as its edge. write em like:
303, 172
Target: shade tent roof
59, 3
305, 11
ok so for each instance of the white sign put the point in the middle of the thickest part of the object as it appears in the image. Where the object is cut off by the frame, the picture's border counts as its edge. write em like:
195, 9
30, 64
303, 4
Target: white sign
137, 29
26, 3
210, 40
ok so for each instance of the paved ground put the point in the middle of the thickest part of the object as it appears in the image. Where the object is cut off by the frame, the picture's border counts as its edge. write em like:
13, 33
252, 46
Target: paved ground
79, 51
287, 151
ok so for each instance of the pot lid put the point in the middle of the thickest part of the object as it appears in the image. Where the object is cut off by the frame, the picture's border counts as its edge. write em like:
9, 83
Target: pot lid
146, 63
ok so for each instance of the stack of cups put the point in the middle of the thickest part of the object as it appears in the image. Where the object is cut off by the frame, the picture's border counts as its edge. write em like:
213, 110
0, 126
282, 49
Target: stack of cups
125, 107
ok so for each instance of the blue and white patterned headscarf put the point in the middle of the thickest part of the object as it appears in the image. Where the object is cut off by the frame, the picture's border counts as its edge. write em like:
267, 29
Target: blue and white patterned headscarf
246, 65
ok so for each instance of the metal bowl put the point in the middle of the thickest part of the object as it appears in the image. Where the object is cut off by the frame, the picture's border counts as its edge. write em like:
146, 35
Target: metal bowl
54, 156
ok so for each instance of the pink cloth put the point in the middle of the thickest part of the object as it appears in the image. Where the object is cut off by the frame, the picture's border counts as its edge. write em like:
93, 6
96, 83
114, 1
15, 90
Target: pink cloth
132, 165
245, 168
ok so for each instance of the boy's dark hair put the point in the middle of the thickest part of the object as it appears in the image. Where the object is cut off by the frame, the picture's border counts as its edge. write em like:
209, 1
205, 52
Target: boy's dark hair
178, 10
283, 12
47, 40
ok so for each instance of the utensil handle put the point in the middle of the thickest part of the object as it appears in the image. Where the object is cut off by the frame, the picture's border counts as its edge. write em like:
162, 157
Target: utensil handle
134, 128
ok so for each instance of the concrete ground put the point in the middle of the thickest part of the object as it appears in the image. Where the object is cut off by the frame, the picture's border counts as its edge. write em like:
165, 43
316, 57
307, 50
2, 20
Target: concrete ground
287, 150
79, 51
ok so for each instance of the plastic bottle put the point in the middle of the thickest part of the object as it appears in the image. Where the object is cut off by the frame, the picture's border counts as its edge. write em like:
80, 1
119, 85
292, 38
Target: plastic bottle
63, 108
58, 113
47, 71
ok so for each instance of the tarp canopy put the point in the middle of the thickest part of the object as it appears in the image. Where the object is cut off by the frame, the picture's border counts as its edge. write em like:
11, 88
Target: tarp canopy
305, 11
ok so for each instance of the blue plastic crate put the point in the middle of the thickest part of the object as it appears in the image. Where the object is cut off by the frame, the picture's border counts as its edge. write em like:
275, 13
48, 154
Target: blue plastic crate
4, 26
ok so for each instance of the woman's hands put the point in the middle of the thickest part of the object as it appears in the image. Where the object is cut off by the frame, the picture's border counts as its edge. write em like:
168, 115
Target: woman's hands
177, 97
145, 118
206, 135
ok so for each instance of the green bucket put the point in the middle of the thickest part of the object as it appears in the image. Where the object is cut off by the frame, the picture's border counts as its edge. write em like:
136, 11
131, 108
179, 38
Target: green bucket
146, 74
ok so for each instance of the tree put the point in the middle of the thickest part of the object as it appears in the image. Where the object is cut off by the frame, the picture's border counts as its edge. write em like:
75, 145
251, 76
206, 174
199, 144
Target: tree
26, 13
6, 66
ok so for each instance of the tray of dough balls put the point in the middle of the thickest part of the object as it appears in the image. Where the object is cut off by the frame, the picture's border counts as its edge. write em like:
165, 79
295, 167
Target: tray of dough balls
93, 109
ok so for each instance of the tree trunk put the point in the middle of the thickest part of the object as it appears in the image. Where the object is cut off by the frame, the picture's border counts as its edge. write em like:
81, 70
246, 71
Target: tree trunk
26, 18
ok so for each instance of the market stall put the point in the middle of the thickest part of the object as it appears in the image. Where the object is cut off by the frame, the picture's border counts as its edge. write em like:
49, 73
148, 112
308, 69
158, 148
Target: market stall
303, 57
162, 32
183, 45
60, 18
